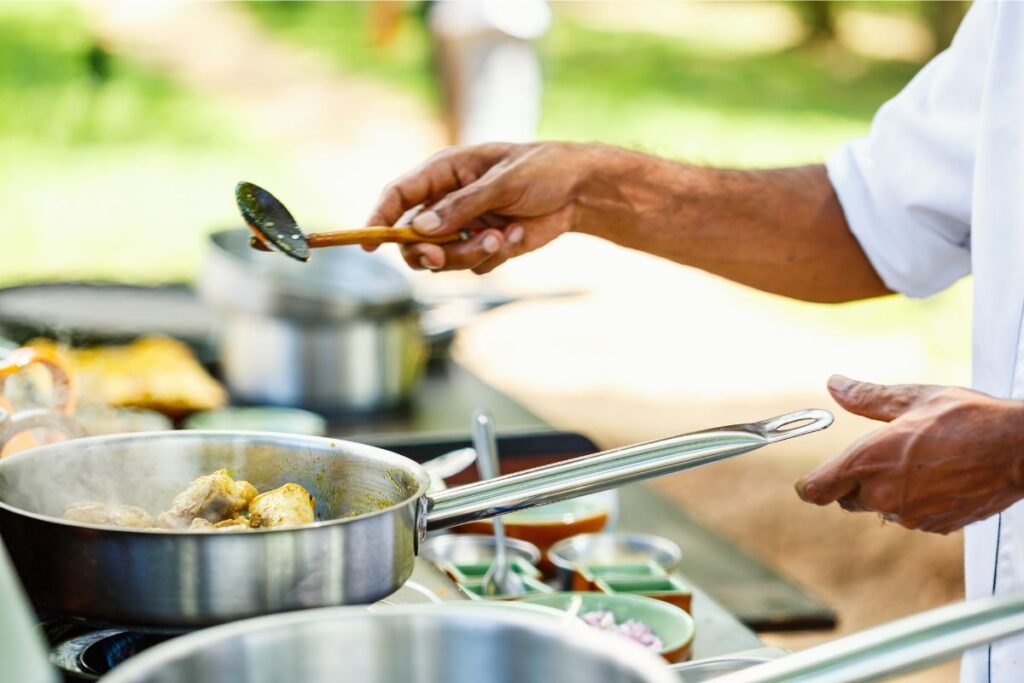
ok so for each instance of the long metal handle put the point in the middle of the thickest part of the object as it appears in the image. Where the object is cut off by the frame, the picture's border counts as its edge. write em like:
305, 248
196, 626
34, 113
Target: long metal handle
609, 469
898, 647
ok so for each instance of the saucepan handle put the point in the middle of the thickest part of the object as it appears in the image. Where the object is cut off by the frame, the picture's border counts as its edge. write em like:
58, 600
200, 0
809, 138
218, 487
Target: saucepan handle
792, 424
898, 647
36, 418
610, 469
58, 417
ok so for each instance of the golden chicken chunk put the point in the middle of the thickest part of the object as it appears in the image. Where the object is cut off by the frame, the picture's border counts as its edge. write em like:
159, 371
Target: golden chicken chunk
289, 505
111, 514
233, 524
213, 497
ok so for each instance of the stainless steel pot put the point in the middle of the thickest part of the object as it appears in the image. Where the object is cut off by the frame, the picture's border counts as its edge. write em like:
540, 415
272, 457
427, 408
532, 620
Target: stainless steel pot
338, 334
450, 644
373, 504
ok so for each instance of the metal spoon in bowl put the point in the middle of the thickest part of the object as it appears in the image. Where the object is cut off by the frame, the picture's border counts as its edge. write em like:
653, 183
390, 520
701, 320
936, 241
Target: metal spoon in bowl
274, 228
500, 579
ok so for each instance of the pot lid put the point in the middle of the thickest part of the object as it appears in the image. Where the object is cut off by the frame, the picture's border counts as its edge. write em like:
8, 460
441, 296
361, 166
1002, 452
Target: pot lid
336, 282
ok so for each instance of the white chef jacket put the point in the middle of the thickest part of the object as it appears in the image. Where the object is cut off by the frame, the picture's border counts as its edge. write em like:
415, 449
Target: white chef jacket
934, 192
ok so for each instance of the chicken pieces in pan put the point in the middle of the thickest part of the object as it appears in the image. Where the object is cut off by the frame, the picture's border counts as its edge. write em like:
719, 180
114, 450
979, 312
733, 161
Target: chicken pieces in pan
289, 505
110, 514
233, 524
214, 497
211, 503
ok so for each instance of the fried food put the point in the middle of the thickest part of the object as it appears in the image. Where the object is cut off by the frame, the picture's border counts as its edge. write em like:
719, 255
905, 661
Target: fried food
233, 524
211, 503
213, 497
111, 514
288, 505
153, 373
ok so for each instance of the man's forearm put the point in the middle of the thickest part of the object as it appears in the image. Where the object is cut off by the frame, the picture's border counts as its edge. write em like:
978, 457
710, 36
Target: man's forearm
781, 230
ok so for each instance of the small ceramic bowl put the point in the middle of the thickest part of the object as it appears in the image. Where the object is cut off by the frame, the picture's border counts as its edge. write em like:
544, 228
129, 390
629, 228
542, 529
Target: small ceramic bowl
452, 551
672, 625
468, 573
547, 525
586, 575
669, 588
474, 589
609, 550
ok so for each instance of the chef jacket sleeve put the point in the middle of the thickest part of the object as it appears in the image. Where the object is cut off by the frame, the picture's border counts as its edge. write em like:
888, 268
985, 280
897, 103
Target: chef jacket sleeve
906, 188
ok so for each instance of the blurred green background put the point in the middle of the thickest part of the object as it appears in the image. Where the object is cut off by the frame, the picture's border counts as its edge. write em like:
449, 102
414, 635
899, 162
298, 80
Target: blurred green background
114, 165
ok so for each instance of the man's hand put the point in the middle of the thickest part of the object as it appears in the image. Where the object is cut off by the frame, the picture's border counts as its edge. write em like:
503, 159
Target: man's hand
780, 230
517, 197
948, 457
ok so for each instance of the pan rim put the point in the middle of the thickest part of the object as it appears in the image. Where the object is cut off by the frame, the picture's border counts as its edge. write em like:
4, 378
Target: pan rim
419, 473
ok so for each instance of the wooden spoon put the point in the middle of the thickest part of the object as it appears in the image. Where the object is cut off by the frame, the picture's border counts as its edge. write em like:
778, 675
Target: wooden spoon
274, 228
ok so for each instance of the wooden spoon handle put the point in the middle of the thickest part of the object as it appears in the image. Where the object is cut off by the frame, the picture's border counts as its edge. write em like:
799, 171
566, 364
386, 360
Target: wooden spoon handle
377, 235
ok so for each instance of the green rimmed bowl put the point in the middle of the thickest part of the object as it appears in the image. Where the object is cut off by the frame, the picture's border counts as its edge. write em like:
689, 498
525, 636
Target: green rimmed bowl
474, 589
672, 625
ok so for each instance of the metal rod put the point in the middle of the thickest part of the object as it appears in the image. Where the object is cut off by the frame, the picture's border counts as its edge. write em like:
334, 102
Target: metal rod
610, 469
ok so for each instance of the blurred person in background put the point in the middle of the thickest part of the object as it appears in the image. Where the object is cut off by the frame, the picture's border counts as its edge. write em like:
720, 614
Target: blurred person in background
490, 73
930, 195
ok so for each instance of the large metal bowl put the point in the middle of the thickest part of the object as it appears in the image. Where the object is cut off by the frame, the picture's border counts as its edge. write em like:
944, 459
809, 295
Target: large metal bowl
450, 644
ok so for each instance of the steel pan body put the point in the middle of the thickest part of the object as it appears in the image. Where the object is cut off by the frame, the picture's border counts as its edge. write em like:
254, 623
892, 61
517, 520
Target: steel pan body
372, 503
174, 580
450, 644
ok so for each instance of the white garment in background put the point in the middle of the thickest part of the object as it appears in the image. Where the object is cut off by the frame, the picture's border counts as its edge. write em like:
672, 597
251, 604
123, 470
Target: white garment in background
936, 191
499, 87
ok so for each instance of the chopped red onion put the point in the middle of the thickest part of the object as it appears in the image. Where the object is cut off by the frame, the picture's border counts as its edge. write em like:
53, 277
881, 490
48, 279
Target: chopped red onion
631, 628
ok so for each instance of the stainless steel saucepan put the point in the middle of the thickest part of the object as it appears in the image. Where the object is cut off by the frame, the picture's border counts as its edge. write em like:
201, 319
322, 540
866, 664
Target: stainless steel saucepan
373, 505
340, 334
439, 644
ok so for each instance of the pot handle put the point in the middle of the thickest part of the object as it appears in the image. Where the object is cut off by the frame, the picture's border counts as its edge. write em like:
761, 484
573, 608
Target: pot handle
898, 647
63, 385
787, 426
36, 418
610, 469
58, 417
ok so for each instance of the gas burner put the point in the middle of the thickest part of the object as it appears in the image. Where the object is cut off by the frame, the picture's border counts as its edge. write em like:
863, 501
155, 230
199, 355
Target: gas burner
89, 655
